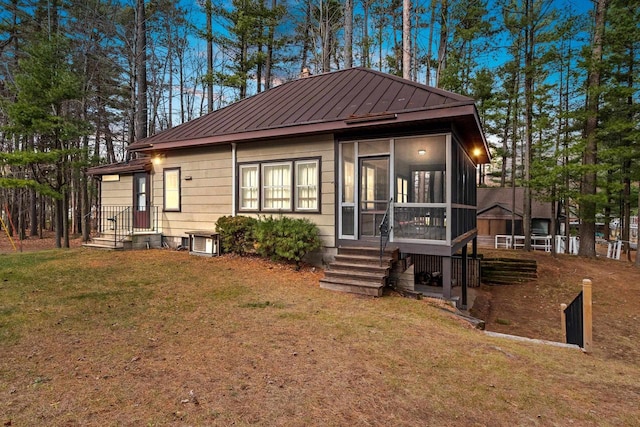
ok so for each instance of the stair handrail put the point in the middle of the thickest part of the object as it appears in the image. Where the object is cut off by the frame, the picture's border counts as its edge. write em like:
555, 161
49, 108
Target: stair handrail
385, 229
122, 217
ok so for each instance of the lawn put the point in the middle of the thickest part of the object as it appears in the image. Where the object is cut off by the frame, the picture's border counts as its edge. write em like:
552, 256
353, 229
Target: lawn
163, 338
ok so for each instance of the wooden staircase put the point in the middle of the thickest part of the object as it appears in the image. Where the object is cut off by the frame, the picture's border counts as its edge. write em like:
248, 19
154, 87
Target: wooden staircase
358, 270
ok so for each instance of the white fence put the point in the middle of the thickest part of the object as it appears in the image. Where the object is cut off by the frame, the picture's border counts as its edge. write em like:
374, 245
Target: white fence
537, 242
544, 243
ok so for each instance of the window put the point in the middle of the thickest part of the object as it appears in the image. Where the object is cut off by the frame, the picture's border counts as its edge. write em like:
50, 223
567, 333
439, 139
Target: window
402, 185
172, 190
249, 187
280, 186
307, 185
276, 186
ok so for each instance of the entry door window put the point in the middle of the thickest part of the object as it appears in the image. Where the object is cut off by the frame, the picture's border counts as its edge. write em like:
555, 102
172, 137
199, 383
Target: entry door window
141, 185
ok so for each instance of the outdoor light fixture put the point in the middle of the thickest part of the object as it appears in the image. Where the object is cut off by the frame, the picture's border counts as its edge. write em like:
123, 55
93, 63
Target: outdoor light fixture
422, 152
477, 152
158, 158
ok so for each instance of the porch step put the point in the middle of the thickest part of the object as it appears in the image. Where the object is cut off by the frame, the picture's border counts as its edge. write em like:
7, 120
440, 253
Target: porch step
106, 241
103, 246
366, 268
358, 270
361, 276
352, 286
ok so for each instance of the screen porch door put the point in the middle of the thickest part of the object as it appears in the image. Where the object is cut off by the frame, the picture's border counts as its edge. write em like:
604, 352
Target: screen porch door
374, 194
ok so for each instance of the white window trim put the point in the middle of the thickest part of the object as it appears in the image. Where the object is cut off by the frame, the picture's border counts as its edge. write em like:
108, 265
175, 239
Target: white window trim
177, 190
297, 206
242, 187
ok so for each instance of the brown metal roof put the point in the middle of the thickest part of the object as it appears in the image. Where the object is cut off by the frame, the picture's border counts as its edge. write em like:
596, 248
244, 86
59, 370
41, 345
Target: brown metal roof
327, 103
132, 166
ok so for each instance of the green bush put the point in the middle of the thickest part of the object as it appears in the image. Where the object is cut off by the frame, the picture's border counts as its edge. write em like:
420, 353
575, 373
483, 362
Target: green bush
236, 234
286, 238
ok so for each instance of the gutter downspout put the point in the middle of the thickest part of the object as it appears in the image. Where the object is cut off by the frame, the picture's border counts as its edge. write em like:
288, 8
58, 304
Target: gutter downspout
233, 180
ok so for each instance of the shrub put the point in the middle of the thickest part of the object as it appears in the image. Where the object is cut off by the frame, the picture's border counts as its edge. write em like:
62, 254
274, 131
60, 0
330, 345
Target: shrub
286, 238
236, 233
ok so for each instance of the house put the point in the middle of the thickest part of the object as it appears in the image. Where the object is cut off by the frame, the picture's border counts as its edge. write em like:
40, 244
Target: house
350, 150
501, 211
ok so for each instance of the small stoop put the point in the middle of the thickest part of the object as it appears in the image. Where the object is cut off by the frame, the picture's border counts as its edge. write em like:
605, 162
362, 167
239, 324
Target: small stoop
358, 270
136, 240
104, 241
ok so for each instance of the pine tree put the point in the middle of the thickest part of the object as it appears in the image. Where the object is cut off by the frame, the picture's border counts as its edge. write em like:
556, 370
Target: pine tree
45, 84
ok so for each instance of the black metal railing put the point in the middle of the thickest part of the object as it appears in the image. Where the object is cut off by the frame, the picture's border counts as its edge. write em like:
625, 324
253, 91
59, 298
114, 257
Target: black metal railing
574, 326
385, 229
116, 220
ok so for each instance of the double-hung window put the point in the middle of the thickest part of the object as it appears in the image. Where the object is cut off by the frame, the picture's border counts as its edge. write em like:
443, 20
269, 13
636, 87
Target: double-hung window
249, 187
172, 190
276, 186
307, 185
283, 186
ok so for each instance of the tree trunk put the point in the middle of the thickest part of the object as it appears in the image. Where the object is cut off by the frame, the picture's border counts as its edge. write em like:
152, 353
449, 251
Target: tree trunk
406, 39
444, 35
304, 55
209, 13
638, 234
33, 213
141, 72
432, 21
365, 59
505, 143
626, 207
589, 159
271, 40
326, 38
65, 218
528, 94
348, 33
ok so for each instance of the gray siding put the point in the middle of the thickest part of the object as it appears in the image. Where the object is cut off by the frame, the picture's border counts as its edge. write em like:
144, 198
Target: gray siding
117, 193
204, 198
208, 194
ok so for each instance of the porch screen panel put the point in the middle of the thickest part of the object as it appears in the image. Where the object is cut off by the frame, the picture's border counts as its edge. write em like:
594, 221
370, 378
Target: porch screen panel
420, 210
464, 192
276, 186
347, 203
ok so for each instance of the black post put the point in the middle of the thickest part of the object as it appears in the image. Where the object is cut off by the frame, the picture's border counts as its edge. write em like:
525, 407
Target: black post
464, 277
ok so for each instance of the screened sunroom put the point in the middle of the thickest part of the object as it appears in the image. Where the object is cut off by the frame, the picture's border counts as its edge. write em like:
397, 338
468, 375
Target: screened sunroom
424, 184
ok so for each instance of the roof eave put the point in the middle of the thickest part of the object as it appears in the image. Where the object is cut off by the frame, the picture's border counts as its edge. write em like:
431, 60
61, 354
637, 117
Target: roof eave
393, 118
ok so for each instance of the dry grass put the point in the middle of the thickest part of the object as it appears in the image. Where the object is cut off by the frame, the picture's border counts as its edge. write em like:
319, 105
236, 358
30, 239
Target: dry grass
164, 338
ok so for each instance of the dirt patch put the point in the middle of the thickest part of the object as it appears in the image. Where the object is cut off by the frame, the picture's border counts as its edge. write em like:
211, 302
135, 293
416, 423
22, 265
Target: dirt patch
533, 309
33, 243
